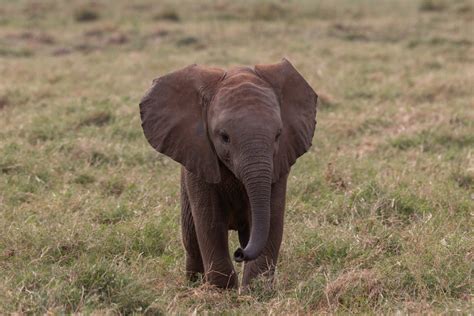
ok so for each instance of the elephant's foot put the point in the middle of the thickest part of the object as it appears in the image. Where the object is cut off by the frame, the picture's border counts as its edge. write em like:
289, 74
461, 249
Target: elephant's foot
258, 274
224, 280
258, 285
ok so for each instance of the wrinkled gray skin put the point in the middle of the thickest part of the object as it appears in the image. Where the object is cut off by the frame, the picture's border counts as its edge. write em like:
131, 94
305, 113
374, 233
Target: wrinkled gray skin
236, 133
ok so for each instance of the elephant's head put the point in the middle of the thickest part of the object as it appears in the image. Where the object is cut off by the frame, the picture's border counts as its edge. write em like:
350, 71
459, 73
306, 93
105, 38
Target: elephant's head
255, 122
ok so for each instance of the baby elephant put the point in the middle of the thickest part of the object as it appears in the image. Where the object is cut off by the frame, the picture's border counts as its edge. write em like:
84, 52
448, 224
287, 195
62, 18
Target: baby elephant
236, 134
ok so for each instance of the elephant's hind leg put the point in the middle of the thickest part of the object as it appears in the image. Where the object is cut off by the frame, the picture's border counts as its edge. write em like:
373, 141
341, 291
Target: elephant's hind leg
244, 236
194, 265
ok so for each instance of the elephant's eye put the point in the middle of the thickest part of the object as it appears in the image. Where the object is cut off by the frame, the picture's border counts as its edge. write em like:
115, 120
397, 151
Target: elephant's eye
225, 137
278, 135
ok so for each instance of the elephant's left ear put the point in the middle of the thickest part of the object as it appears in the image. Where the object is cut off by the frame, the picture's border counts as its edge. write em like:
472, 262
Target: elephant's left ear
298, 113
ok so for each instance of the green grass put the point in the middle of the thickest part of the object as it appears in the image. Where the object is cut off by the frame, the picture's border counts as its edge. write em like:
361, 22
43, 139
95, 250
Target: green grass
379, 212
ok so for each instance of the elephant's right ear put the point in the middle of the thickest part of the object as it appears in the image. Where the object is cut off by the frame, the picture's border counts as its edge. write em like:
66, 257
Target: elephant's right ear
173, 118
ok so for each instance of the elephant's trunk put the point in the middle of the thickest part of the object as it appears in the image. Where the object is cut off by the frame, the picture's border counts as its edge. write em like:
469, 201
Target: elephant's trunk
257, 178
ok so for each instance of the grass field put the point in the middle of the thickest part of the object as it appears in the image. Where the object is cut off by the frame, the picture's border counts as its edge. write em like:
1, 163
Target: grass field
380, 211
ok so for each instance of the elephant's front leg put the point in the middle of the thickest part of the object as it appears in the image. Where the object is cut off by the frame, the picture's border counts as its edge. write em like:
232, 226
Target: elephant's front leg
211, 225
265, 263
194, 265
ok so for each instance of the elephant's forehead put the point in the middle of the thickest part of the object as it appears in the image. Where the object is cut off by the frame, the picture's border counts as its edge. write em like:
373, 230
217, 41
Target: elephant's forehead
242, 87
